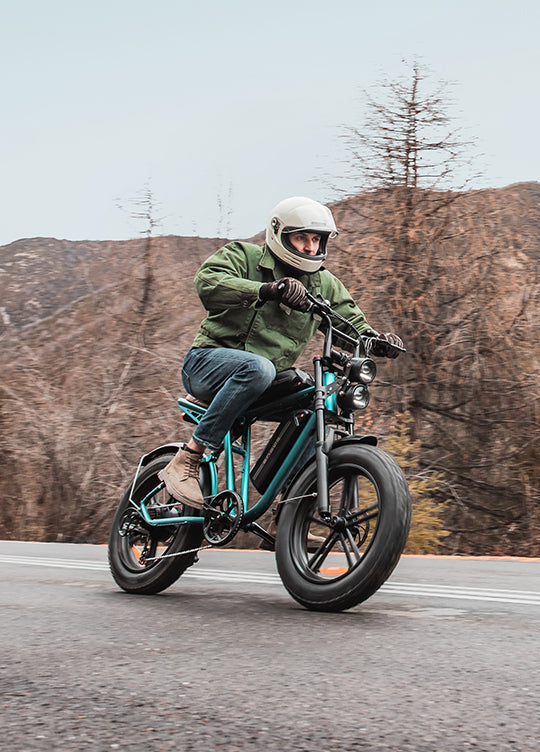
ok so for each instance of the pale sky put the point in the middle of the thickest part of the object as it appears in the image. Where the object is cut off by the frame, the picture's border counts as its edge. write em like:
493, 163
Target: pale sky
238, 103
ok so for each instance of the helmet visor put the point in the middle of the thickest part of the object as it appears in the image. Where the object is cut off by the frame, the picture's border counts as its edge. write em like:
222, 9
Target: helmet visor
320, 255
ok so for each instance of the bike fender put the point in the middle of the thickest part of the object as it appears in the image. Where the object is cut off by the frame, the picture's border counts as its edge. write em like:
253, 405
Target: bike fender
158, 451
361, 439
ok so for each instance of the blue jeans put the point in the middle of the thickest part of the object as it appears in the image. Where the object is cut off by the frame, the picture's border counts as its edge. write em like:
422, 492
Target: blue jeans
231, 380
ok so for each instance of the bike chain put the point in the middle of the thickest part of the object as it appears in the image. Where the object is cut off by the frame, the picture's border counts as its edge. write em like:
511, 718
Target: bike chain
204, 548
179, 553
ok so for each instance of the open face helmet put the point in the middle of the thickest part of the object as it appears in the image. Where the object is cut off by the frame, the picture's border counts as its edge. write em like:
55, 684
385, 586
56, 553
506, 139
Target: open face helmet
299, 214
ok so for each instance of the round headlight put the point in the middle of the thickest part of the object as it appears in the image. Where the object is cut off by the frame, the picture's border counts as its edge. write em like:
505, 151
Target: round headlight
354, 398
362, 369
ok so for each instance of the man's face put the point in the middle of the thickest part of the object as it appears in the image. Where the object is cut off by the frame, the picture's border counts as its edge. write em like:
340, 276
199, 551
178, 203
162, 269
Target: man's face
306, 242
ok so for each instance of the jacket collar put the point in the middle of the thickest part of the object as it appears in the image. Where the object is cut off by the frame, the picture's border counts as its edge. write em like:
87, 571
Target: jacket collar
269, 261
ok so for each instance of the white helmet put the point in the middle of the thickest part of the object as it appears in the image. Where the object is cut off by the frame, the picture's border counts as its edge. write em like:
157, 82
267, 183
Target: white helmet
294, 215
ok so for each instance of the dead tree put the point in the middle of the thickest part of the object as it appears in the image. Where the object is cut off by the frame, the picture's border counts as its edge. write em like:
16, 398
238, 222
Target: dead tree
438, 256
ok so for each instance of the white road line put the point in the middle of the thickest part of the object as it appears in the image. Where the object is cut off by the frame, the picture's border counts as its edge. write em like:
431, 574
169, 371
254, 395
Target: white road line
62, 563
463, 594
416, 589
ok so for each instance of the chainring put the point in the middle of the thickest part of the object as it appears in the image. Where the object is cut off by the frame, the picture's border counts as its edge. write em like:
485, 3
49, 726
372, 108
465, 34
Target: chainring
223, 516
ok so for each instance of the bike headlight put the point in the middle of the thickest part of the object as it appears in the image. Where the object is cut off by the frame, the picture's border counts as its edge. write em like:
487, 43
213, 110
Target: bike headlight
354, 398
362, 369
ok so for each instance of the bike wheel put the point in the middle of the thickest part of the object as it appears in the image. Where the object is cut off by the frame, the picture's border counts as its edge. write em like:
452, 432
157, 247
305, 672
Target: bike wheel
334, 565
139, 554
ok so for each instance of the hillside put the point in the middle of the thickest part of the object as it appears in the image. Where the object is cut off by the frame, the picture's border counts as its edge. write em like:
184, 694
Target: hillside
43, 277
93, 335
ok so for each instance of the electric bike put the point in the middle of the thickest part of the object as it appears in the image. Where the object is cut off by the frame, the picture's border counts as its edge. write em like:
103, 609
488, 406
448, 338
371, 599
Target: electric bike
343, 505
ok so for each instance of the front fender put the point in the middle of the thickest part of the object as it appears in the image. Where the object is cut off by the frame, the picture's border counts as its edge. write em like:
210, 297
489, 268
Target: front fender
361, 439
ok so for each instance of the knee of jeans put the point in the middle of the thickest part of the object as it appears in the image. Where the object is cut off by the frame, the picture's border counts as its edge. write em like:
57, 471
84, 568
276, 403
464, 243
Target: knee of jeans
264, 370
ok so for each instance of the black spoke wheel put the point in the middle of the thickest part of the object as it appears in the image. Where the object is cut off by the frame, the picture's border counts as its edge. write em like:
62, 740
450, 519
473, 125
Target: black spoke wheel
335, 563
143, 558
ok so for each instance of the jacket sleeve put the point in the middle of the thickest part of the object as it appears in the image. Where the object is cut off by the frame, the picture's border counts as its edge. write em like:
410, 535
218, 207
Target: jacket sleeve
222, 280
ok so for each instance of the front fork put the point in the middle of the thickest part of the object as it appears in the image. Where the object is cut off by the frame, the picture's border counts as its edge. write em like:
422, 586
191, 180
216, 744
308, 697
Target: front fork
322, 393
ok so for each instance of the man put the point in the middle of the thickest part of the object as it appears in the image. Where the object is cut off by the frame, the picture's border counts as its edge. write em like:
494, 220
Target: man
256, 325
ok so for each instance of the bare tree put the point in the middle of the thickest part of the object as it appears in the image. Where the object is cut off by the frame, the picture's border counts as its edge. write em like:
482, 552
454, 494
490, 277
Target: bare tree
74, 404
409, 138
132, 369
439, 259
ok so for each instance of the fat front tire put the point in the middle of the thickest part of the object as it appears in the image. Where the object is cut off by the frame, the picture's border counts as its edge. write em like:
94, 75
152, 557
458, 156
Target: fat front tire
332, 565
139, 554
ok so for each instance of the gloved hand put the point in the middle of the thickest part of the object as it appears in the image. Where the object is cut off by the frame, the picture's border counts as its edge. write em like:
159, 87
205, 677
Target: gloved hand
288, 290
381, 346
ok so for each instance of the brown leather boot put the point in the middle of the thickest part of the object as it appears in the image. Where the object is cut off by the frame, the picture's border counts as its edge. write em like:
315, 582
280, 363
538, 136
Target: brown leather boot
181, 477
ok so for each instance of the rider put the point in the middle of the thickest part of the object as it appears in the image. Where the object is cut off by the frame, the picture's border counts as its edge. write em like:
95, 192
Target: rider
256, 325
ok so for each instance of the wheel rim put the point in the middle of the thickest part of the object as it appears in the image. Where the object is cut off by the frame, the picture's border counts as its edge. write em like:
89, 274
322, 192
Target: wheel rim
343, 543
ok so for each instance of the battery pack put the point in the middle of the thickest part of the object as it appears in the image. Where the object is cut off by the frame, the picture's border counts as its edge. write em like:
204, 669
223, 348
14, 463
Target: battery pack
277, 449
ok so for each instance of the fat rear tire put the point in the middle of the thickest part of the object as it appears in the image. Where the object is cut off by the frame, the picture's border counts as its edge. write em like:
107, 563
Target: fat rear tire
128, 571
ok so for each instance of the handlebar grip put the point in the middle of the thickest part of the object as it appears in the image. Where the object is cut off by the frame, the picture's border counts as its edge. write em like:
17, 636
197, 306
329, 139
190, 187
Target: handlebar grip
283, 285
385, 349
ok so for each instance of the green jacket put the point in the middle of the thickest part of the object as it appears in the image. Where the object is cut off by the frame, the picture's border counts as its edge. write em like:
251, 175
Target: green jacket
228, 284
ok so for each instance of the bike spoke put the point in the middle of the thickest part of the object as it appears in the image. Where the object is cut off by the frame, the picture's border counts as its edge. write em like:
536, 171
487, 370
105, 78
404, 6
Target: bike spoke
320, 555
364, 515
352, 544
346, 551
349, 494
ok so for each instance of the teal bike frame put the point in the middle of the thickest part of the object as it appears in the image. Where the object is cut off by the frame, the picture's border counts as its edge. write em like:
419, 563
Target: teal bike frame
316, 438
304, 447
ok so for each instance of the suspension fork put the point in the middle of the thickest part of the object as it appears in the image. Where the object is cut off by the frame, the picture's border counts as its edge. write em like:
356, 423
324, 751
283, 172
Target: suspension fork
321, 456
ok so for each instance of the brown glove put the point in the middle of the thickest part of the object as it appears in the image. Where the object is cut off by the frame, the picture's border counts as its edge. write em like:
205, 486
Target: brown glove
288, 290
387, 346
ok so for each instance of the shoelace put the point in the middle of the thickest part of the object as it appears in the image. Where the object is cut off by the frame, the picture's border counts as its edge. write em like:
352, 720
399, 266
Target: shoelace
192, 465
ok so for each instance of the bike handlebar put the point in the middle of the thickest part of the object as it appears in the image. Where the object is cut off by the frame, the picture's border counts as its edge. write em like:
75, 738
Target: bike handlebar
324, 308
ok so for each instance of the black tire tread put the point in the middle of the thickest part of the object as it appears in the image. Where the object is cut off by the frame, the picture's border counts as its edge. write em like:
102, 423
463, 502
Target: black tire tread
164, 573
384, 553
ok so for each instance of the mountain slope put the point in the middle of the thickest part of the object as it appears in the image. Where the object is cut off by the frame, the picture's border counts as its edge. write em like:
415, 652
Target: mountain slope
93, 336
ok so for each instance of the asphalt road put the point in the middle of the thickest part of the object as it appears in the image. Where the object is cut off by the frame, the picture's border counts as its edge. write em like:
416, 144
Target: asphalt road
444, 658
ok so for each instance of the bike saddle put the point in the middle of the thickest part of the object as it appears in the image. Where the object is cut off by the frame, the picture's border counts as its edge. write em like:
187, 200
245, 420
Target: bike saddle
196, 401
287, 382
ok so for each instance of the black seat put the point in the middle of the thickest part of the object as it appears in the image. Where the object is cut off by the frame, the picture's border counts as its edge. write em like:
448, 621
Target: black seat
287, 382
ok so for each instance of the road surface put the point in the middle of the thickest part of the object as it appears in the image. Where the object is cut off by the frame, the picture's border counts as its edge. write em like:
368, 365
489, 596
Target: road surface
444, 658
